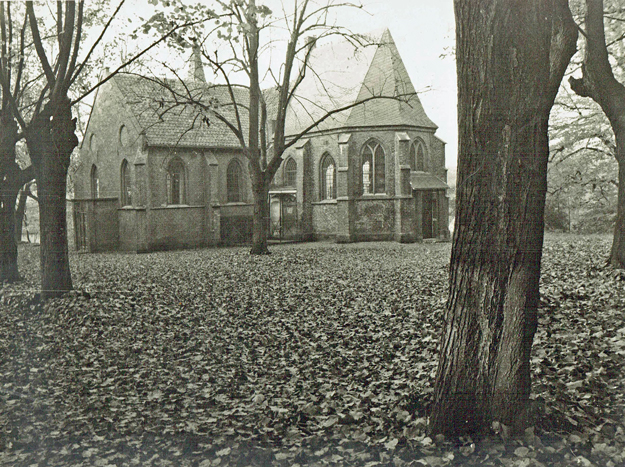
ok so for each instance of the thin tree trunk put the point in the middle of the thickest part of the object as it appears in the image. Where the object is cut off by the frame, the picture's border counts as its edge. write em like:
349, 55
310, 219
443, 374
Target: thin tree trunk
51, 139
521, 50
259, 183
20, 212
260, 222
617, 254
598, 83
10, 222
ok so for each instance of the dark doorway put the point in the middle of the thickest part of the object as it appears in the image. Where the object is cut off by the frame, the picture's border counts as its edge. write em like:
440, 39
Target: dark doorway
284, 224
80, 229
430, 214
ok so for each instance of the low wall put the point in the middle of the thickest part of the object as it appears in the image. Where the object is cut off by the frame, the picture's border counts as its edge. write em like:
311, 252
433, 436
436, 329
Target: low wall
174, 227
325, 223
375, 219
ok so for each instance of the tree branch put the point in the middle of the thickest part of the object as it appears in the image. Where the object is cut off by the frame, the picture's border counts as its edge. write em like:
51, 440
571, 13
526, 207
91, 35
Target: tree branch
34, 27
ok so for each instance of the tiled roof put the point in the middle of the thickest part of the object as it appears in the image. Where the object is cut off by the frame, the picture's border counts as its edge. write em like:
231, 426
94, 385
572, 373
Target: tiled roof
387, 76
341, 74
426, 181
166, 122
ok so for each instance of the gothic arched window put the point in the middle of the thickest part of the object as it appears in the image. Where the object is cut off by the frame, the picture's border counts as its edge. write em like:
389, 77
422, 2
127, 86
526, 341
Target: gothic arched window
290, 172
95, 182
234, 182
176, 183
418, 157
126, 186
327, 177
373, 168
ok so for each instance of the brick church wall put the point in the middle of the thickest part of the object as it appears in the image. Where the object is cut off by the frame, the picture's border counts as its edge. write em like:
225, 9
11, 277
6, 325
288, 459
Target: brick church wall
324, 220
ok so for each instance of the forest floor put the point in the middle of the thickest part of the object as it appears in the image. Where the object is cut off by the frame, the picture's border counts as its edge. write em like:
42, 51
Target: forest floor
319, 354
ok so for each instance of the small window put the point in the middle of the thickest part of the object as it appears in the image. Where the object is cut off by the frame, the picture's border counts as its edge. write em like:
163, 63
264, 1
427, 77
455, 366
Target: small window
413, 157
95, 182
93, 143
290, 172
234, 182
373, 169
126, 186
176, 186
123, 136
327, 178
418, 157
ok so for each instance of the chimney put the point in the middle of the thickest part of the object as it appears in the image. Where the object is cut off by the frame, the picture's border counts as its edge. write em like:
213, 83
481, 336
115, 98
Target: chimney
196, 69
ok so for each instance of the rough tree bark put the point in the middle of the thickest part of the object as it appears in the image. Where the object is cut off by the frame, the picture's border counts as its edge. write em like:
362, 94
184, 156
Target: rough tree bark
261, 214
20, 210
511, 56
598, 83
51, 138
10, 176
259, 187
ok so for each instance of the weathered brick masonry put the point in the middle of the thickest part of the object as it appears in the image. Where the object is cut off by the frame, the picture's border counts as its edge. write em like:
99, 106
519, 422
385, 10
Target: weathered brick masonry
154, 178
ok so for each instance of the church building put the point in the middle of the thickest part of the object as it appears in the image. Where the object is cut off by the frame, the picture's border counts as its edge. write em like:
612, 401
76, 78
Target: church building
155, 174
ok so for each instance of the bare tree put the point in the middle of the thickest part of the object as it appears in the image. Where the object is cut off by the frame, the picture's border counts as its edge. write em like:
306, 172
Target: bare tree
520, 50
20, 210
240, 25
50, 132
582, 171
12, 176
599, 83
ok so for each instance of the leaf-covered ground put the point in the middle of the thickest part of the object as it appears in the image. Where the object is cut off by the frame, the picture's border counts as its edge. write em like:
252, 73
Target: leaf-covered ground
319, 354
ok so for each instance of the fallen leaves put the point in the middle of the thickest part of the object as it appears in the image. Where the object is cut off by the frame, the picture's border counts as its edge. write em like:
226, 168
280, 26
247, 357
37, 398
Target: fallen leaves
316, 354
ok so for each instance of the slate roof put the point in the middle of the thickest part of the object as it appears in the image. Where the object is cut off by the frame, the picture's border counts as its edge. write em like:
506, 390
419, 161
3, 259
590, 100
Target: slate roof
387, 76
166, 122
426, 181
340, 74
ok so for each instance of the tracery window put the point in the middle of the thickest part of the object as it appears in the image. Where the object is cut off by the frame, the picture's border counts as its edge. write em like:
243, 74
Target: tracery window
373, 168
418, 157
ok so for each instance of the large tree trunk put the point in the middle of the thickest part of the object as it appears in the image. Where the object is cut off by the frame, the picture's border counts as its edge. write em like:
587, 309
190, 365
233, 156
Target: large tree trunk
10, 184
598, 83
261, 219
511, 56
8, 245
51, 139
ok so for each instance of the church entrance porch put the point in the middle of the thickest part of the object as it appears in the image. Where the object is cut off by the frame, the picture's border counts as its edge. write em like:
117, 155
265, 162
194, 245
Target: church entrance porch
429, 215
283, 215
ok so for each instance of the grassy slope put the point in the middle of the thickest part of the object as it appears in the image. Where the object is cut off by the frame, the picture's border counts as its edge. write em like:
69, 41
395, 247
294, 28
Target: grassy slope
317, 354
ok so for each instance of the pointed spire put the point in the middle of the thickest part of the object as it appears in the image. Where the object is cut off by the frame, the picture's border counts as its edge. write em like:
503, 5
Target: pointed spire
387, 76
386, 37
196, 68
